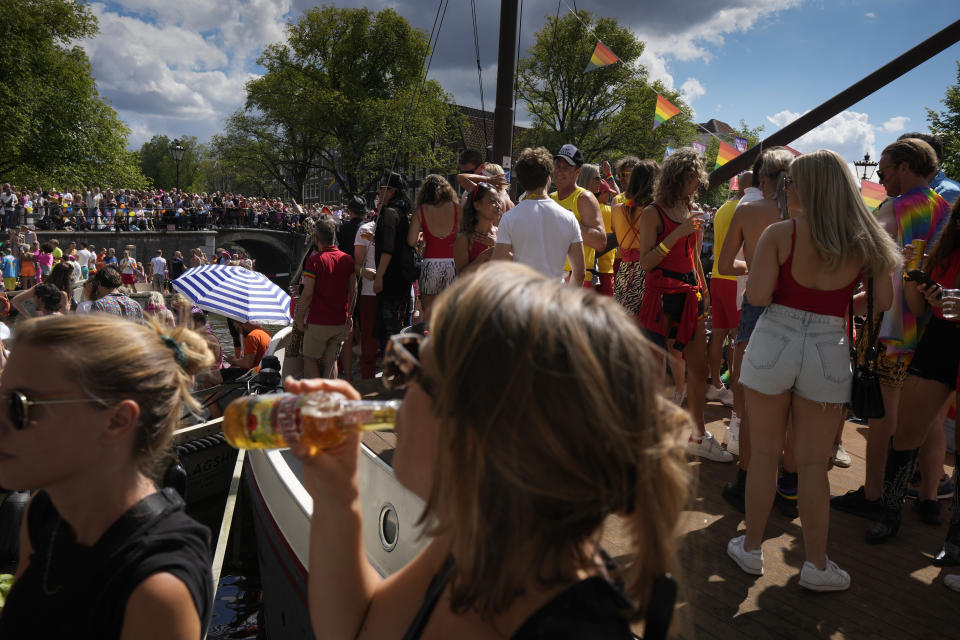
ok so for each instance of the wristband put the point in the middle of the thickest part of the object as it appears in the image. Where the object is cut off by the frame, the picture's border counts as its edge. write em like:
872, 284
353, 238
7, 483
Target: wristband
609, 177
664, 248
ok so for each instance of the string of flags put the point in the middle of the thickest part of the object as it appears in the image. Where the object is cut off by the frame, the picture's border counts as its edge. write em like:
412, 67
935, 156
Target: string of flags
725, 153
602, 56
664, 111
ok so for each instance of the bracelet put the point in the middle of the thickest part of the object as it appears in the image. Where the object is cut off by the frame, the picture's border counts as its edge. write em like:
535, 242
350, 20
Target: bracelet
609, 177
664, 248
660, 252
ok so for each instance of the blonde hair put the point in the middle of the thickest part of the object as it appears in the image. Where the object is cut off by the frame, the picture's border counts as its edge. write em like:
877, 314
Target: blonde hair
775, 164
676, 170
149, 363
841, 226
587, 173
552, 423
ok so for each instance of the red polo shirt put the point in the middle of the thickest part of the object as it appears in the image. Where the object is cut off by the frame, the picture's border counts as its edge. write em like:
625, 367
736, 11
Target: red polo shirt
331, 270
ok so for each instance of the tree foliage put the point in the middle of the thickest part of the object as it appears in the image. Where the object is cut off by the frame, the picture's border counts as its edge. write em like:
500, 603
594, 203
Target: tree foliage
158, 165
607, 112
57, 130
946, 125
721, 193
342, 95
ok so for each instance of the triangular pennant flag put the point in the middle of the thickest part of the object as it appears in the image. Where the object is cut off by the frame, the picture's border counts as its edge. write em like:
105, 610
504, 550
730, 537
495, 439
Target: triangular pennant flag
873, 194
664, 111
725, 154
602, 56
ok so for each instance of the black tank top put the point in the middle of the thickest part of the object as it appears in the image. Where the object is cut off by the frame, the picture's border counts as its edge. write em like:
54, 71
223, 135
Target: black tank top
73, 591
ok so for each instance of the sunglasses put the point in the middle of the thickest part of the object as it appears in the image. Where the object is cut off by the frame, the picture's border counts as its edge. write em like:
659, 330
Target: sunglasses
18, 406
480, 187
880, 172
401, 363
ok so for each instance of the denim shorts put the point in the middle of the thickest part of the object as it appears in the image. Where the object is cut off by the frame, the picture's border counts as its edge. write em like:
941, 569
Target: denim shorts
749, 314
799, 351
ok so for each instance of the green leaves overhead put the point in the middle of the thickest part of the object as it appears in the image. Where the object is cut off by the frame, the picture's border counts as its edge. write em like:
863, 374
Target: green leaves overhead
946, 124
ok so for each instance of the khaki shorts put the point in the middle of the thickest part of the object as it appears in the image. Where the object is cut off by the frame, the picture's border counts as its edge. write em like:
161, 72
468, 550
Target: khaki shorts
322, 342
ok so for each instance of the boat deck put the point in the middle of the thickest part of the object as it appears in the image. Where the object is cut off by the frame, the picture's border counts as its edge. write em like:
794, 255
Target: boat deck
896, 591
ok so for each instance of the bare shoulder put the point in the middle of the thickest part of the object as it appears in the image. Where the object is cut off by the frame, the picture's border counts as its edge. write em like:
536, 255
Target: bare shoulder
161, 607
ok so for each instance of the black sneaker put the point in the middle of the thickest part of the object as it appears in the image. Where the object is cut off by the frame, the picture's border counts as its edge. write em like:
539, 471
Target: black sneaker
786, 506
928, 510
856, 503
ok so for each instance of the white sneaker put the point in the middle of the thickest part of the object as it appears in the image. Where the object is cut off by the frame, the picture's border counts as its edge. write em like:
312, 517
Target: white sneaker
840, 456
750, 561
720, 394
733, 435
832, 578
708, 447
952, 581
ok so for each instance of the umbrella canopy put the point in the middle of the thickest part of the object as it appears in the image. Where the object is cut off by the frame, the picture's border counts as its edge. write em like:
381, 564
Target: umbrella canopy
235, 292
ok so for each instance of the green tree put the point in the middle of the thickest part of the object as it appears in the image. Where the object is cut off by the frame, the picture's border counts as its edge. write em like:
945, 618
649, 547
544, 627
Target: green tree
343, 95
158, 165
607, 112
721, 193
56, 127
946, 125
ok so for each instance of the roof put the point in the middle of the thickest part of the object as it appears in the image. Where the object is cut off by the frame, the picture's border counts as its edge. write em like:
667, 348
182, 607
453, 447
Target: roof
478, 130
716, 126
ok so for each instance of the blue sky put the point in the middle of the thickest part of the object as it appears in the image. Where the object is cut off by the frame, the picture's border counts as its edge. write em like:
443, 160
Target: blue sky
183, 63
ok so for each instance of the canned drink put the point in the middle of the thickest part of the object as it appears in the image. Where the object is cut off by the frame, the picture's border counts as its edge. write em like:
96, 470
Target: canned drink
916, 262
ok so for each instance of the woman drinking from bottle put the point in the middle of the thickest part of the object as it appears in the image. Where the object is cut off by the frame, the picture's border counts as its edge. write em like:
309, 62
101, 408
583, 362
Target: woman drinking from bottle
516, 486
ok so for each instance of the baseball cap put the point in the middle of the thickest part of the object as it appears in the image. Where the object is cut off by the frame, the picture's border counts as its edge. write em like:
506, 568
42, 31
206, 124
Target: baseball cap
604, 187
571, 154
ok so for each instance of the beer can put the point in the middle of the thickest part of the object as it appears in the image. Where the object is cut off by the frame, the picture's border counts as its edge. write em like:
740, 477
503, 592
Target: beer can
916, 262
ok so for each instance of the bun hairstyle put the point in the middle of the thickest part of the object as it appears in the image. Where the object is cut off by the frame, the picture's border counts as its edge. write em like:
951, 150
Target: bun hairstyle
552, 422
149, 363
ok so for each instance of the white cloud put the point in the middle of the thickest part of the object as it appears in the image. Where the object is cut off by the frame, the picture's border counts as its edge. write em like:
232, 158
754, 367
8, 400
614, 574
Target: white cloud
692, 89
870, 15
848, 133
697, 41
896, 123
178, 67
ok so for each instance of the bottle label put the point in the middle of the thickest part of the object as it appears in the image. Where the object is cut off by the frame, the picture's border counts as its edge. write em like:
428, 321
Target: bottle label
286, 418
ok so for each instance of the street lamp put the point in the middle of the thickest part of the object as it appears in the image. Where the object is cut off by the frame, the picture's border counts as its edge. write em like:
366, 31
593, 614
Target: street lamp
866, 166
177, 152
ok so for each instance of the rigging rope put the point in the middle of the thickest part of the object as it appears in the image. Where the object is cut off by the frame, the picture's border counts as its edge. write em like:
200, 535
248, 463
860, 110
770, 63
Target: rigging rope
476, 46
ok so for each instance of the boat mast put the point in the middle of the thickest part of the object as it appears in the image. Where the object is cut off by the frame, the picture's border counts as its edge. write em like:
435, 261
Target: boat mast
506, 67
846, 98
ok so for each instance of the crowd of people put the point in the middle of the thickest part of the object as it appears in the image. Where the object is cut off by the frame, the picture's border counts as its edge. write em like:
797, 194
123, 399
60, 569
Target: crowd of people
147, 210
609, 318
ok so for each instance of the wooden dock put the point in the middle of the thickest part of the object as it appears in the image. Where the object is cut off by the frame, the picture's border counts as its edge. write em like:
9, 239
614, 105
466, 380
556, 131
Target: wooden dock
896, 592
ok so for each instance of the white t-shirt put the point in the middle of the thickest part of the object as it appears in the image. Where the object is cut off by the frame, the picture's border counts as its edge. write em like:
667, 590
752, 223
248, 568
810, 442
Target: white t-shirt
83, 258
159, 265
369, 261
541, 232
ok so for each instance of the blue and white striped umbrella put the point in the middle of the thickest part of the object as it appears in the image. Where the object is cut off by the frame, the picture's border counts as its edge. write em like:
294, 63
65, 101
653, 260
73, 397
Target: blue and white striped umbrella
235, 292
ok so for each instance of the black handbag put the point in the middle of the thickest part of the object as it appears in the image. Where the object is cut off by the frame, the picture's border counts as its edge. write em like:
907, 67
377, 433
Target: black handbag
866, 399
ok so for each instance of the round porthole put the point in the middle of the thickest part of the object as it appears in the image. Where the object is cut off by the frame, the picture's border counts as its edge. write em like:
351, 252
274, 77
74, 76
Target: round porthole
389, 527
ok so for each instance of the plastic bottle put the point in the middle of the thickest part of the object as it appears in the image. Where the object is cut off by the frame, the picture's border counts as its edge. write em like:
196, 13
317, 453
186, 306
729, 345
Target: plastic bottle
321, 419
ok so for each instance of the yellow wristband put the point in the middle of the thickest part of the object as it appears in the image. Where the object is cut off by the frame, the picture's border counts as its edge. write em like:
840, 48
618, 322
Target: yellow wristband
664, 248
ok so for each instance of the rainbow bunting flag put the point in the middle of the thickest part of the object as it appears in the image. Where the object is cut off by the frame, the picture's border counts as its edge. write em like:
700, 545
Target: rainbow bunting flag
725, 154
735, 183
873, 194
602, 56
333, 181
664, 111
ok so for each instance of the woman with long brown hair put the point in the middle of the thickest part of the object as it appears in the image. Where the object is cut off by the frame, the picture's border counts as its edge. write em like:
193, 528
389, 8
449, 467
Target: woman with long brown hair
628, 284
437, 217
519, 473
478, 228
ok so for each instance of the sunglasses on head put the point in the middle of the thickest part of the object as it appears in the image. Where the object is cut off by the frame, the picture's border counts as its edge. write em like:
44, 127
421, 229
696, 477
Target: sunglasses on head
18, 406
401, 363
480, 187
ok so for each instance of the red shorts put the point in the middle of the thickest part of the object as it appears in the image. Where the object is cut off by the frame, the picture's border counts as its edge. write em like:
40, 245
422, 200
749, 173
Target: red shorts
128, 278
723, 302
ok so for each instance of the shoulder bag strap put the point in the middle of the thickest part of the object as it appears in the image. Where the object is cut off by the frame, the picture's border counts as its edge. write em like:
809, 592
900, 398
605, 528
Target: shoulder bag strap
871, 346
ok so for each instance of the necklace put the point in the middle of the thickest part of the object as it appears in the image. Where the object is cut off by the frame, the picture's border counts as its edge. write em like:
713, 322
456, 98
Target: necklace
46, 570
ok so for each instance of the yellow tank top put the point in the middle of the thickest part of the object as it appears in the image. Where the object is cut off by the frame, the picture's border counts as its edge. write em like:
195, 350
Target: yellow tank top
605, 261
571, 204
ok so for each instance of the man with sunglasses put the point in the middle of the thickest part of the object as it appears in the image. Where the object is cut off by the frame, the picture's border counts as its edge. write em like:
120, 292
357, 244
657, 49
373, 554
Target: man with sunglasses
912, 212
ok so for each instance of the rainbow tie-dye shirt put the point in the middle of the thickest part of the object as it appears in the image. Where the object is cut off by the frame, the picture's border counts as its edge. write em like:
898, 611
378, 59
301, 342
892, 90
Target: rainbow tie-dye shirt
921, 215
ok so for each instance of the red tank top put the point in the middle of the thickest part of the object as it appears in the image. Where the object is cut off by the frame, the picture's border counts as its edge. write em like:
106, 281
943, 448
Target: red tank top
476, 248
682, 255
439, 248
791, 293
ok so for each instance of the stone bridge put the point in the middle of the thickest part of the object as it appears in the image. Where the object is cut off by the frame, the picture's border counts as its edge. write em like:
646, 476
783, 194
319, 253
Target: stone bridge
277, 253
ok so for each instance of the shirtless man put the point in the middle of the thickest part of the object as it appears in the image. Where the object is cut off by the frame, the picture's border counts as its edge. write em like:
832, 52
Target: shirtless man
748, 223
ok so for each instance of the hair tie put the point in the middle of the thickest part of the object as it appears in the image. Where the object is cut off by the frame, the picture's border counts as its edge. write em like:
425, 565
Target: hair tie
178, 355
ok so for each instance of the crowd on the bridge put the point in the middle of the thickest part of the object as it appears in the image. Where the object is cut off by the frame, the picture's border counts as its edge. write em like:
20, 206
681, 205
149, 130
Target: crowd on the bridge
616, 314
148, 210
